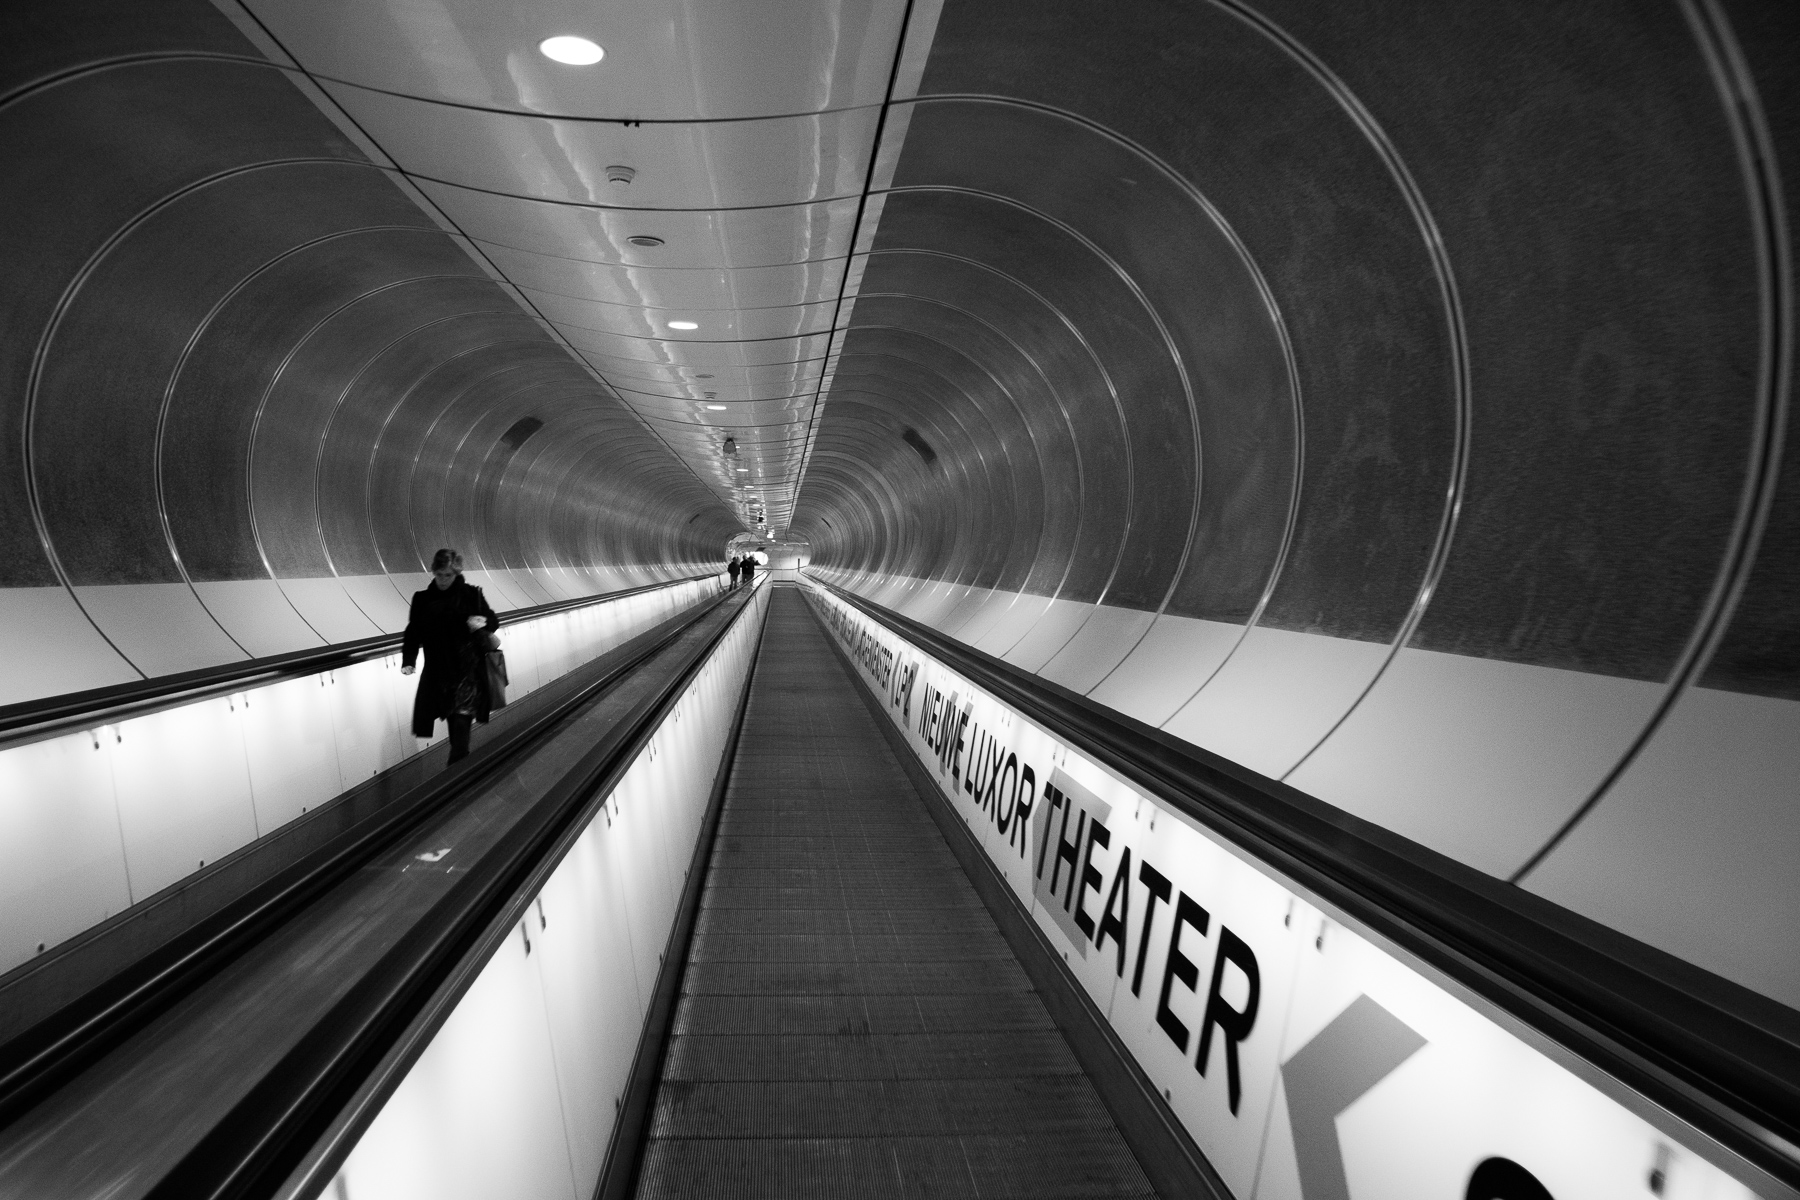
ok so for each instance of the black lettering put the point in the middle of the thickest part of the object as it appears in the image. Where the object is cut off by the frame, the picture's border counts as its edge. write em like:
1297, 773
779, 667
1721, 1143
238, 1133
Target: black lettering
990, 786
1090, 878
1055, 798
956, 757
1023, 804
1180, 966
1504, 1179
1152, 879
1112, 920
1066, 851
1011, 796
1234, 1024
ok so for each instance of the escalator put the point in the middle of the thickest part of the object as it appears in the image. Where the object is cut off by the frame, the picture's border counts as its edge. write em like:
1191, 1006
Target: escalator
851, 1020
210, 1061
920, 926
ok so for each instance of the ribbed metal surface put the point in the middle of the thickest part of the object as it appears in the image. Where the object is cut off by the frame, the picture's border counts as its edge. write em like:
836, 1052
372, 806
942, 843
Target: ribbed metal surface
851, 1021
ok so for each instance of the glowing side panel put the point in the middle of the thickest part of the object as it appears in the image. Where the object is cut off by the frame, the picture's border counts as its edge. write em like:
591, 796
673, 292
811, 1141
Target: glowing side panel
291, 749
479, 1116
183, 787
1308, 1060
62, 863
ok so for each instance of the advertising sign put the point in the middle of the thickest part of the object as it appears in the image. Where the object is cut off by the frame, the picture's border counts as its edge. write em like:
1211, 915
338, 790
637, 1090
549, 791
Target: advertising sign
1308, 1059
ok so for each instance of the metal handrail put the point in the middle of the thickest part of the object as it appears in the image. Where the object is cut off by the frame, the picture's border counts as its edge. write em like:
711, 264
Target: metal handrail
1717, 1055
35, 720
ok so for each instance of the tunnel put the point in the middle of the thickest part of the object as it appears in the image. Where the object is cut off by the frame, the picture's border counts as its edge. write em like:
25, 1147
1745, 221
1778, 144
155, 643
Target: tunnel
1357, 435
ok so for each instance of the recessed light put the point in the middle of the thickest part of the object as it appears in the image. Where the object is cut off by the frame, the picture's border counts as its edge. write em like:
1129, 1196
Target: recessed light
716, 407
683, 325
644, 239
573, 51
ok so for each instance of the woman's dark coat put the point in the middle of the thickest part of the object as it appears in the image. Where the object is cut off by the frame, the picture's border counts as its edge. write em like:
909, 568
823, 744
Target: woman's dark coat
438, 624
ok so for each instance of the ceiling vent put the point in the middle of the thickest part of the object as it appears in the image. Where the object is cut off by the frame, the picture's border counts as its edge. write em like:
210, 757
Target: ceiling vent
521, 429
912, 438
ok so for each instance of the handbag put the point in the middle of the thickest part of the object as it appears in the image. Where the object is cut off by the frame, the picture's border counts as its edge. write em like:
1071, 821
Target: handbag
493, 662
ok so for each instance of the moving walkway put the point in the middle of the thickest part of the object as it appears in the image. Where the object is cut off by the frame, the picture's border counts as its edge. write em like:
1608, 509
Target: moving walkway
877, 915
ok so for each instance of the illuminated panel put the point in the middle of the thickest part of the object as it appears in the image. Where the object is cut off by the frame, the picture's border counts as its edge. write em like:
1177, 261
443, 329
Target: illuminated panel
1308, 1058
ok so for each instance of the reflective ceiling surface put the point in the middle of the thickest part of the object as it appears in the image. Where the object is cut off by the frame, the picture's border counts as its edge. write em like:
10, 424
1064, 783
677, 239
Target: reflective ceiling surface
682, 214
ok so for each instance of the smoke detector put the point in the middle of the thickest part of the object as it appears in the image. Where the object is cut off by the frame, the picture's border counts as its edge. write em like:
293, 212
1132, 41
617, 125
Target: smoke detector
644, 239
620, 176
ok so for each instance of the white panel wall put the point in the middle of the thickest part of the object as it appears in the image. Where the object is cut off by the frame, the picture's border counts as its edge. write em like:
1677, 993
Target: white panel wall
1476, 758
54, 647
99, 636
94, 821
1308, 1058
517, 1092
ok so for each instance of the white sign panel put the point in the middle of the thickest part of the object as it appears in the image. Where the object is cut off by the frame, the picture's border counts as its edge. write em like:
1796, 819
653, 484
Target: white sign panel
1307, 1061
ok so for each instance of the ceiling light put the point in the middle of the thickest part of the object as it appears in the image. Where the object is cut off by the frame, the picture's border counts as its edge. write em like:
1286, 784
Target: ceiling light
683, 325
575, 51
644, 239
715, 408
743, 470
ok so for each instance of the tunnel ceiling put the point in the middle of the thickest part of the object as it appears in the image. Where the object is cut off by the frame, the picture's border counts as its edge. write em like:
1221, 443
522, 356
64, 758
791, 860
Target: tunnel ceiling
681, 214
299, 292
1446, 327
1314, 317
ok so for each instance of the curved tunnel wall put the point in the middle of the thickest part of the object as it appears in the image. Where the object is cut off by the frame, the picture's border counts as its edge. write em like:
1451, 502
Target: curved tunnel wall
249, 385
1392, 401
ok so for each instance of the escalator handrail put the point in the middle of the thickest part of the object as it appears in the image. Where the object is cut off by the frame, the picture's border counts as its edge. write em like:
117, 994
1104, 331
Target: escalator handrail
1719, 1056
36, 720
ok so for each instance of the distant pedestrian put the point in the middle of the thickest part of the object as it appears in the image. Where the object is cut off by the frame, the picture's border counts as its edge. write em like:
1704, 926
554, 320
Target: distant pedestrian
732, 566
750, 570
451, 621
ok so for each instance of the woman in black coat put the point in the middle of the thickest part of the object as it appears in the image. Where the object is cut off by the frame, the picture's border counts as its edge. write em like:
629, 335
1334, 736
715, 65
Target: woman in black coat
450, 620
